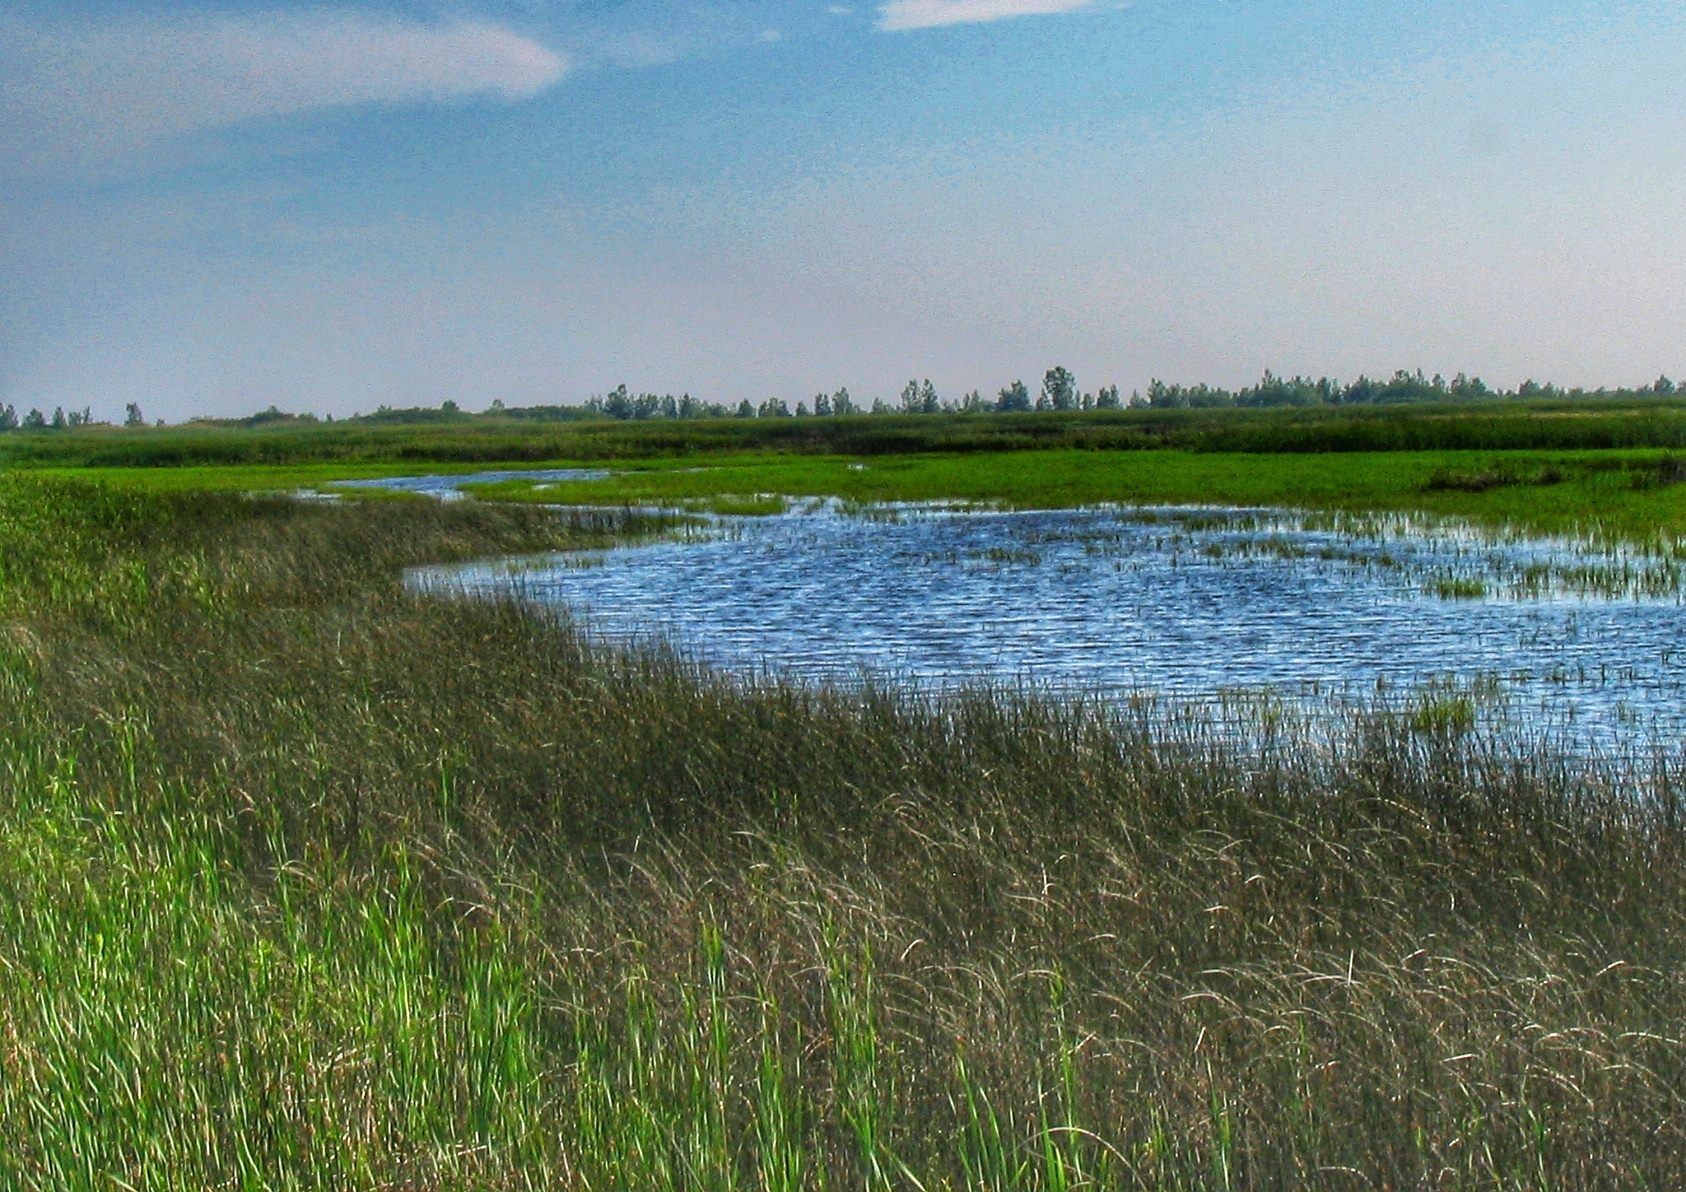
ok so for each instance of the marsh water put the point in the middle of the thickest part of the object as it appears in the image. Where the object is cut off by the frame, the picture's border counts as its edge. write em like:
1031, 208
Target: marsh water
1192, 604
450, 488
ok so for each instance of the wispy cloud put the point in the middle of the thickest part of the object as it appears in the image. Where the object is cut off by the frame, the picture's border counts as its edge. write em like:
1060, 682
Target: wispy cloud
92, 90
929, 14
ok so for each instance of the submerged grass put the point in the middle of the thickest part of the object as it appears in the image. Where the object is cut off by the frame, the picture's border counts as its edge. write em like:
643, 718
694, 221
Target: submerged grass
306, 881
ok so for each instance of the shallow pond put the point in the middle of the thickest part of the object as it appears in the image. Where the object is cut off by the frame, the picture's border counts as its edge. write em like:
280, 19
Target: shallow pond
1177, 602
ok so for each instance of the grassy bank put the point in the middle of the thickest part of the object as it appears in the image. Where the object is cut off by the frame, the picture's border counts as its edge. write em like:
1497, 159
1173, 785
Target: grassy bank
305, 881
1631, 495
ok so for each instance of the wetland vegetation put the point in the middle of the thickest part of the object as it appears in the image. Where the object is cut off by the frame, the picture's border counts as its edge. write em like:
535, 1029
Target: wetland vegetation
311, 879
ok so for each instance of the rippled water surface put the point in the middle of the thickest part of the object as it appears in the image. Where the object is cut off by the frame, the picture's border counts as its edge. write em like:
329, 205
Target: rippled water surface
1186, 603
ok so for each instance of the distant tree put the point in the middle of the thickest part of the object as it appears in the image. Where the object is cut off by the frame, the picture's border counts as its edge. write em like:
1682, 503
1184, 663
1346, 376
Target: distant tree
1014, 398
497, 406
1469, 388
1059, 390
1361, 392
132, 415
745, 410
670, 406
774, 407
58, 418
1662, 385
822, 405
449, 407
842, 404
928, 403
1162, 396
34, 420
1107, 398
910, 398
972, 403
801, 409
8, 418
1273, 390
689, 407
618, 404
879, 406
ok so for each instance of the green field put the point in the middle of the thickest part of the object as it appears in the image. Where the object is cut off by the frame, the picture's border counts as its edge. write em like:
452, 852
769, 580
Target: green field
1609, 467
1627, 494
307, 881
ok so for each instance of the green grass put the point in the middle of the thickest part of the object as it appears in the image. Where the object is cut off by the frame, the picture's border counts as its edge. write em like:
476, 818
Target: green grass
1606, 494
309, 882
1602, 423
1458, 588
1610, 468
1618, 495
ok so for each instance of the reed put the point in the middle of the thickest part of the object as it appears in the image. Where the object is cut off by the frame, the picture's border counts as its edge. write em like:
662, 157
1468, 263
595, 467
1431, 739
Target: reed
308, 881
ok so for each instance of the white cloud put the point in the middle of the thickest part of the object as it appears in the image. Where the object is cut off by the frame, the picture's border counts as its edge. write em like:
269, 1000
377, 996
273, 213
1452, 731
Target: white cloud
929, 14
96, 90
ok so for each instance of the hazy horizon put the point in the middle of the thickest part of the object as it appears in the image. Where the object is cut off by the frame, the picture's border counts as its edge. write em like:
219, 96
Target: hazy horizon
211, 209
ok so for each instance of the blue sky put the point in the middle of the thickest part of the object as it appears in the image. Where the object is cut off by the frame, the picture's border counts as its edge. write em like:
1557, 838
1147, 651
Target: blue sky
214, 208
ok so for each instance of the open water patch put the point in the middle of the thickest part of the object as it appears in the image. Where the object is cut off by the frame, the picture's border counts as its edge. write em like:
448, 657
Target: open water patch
450, 488
1190, 604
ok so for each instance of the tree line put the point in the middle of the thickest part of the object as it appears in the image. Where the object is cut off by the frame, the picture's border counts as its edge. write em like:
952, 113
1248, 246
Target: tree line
60, 419
1059, 390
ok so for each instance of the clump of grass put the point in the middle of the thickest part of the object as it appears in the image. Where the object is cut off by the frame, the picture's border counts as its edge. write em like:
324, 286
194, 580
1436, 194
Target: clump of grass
1458, 587
739, 505
308, 881
1008, 556
1452, 714
1455, 480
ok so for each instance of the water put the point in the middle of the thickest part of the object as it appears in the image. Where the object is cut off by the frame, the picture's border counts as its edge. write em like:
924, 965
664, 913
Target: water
449, 488
1187, 604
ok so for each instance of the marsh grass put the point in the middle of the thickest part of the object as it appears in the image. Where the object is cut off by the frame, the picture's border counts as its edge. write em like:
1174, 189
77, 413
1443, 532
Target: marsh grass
306, 881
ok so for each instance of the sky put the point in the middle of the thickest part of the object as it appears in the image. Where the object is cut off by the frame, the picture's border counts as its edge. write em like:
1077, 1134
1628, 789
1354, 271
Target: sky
209, 209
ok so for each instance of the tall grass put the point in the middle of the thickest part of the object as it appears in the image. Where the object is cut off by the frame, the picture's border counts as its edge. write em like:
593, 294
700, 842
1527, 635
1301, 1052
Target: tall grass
309, 882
